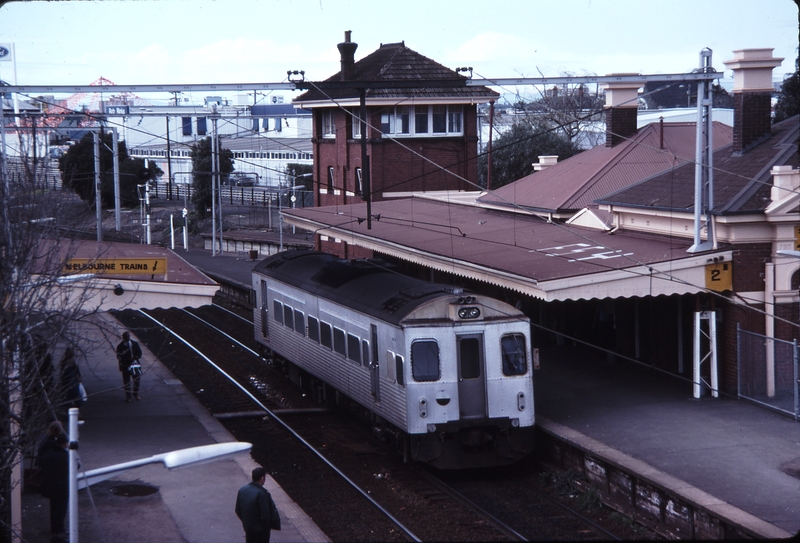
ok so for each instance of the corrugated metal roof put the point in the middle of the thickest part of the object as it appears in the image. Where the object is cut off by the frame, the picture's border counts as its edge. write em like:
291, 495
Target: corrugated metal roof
583, 178
526, 253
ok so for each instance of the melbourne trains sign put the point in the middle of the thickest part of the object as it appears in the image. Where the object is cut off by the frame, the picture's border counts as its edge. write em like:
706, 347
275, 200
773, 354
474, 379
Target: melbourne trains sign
117, 266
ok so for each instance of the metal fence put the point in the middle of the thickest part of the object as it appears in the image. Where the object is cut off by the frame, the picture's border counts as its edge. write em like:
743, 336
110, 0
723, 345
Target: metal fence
768, 372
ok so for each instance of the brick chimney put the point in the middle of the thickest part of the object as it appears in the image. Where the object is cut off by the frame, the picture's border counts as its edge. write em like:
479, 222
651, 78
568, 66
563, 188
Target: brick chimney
752, 96
347, 50
622, 105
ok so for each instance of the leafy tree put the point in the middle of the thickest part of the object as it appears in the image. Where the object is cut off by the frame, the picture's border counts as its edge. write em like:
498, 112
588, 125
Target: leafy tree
515, 151
568, 108
201, 173
294, 172
789, 100
77, 171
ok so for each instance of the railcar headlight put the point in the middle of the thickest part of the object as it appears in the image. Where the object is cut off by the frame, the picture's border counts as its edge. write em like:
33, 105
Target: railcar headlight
423, 407
521, 401
431, 428
515, 423
469, 312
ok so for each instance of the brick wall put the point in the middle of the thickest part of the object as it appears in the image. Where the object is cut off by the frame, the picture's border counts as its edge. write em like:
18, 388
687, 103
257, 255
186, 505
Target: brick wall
751, 118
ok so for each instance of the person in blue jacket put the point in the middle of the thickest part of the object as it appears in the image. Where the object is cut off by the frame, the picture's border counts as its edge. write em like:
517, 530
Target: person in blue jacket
256, 510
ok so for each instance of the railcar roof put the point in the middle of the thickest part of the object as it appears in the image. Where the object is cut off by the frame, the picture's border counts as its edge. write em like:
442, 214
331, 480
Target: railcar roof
367, 286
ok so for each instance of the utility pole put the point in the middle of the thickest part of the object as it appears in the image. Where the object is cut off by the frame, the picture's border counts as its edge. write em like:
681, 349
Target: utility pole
169, 163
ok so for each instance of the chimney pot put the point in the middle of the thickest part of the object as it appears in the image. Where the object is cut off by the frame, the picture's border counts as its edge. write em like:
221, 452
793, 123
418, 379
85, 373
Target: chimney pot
347, 50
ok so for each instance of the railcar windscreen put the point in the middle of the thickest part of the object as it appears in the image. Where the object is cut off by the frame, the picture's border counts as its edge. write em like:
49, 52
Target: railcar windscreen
425, 360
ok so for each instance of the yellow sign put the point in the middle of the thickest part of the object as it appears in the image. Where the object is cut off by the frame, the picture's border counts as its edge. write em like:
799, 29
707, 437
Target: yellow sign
719, 276
117, 266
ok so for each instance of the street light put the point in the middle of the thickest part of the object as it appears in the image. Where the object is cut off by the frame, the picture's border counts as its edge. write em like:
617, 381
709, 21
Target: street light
171, 460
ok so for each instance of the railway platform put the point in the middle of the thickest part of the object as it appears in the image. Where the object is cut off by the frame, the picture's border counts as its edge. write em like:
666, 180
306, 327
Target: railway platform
735, 460
151, 504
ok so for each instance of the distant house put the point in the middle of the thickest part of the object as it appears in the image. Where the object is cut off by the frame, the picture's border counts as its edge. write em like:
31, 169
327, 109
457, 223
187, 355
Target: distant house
417, 139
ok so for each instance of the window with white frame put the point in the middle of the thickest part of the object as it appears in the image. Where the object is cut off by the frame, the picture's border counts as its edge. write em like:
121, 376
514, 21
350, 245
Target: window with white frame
423, 121
356, 125
328, 124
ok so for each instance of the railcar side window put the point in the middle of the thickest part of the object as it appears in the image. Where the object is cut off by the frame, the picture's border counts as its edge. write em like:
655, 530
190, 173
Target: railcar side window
390, 367
513, 352
338, 341
398, 362
288, 316
313, 329
365, 352
326, 335
353, 352
425, 360
278, 312
299, 322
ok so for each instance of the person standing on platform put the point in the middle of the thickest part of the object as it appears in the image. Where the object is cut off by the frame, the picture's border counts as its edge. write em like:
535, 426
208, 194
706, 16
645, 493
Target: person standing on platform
128, 354
70, 379
256, 510
54, 463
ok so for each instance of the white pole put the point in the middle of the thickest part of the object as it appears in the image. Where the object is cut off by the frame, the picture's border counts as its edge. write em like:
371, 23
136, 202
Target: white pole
147, 208
171, 232
73, 475
117, 197
712, 339
185, 229
696, 357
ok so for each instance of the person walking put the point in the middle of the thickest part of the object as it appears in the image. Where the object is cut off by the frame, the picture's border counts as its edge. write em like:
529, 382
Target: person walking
256, 510
54, 463
70, 380
128, 355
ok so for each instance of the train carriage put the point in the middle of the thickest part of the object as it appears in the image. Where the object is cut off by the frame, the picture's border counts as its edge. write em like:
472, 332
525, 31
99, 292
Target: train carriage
446, 374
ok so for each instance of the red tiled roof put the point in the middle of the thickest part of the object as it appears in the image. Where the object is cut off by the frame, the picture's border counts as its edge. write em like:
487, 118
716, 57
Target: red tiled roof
742, 182
393, 62
583, 178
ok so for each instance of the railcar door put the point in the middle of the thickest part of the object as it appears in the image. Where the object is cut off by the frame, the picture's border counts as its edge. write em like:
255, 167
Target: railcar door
471, 376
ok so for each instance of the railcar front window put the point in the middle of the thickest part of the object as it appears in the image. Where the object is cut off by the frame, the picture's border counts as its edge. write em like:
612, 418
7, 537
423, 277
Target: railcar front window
425, 360
513, 352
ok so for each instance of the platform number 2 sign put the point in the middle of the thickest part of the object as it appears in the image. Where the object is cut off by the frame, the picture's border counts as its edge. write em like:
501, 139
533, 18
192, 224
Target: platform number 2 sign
719, 276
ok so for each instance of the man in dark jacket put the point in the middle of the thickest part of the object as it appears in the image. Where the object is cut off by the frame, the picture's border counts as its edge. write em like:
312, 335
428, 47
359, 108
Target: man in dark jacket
54, 463
128, 353
256, 510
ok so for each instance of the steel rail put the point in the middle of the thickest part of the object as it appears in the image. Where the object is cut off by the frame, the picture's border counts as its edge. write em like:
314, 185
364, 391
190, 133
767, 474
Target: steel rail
408, 533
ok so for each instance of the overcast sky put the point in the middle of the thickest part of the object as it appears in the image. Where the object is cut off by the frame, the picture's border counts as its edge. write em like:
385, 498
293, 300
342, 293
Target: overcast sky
240, 41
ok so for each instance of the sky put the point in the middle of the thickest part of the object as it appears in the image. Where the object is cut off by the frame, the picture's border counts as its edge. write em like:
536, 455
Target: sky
146, 42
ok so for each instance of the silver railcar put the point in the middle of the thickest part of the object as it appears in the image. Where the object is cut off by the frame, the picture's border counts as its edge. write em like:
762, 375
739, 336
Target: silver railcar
446, 374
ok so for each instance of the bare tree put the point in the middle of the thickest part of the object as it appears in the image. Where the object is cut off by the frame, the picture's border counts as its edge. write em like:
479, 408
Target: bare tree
41, 304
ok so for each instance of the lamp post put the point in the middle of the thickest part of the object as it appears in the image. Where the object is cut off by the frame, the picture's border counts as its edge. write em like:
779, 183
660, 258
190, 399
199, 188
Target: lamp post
171, 460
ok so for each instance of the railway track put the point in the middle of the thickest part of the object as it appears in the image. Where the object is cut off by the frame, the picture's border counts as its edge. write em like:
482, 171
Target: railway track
351, 485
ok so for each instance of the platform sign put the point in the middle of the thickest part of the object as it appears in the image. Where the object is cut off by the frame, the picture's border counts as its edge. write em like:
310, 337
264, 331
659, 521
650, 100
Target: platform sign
117, 266
719, 276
